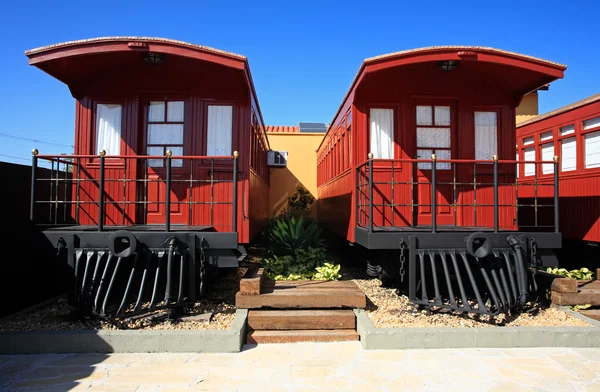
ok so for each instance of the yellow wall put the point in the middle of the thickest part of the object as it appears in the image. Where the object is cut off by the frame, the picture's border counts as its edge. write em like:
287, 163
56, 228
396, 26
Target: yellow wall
528, 107
301, 167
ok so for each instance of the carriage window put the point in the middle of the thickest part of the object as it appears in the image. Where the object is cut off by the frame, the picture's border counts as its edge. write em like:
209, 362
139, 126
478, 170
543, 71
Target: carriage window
220, 128
547, 155
486, 135
108, 128
592, 150
433, 135
591, 123
546, 136
569, 129
529, 155
568, 155
382, 133
165, 131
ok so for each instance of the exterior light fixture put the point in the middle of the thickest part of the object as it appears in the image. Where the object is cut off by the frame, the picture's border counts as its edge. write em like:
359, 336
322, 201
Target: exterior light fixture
154, 58
448, 65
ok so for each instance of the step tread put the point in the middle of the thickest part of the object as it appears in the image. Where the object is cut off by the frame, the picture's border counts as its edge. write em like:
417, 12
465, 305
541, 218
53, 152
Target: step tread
301, 319
292, 336
294, 299
311, 284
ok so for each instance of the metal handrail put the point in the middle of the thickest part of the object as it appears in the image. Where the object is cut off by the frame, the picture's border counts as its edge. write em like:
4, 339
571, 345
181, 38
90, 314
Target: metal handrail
367, 180
71, 162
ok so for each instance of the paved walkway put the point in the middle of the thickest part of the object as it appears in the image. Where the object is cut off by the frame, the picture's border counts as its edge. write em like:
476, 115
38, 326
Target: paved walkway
310, 367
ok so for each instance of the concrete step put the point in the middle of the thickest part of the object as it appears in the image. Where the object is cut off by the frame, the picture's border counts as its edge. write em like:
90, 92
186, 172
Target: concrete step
301, 319
295, 336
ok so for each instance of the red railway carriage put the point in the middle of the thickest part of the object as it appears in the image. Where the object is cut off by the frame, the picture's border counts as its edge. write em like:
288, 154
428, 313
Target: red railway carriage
573, 134
419, 165
161, 125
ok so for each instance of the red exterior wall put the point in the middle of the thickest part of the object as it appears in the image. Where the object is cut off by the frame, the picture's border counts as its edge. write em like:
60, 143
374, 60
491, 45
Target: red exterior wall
398, 83
579, 189
121, 77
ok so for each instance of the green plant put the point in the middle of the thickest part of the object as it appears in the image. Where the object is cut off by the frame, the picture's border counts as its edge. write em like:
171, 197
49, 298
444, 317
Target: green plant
328, 271
303, 264
289, 234
581, 307
579, 274
299, 203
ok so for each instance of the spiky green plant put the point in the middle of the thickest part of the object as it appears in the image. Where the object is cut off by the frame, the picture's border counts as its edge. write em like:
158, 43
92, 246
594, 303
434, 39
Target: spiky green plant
291, 233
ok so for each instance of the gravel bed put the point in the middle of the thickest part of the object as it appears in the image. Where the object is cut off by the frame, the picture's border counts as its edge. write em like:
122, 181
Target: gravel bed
219, 301
387, 309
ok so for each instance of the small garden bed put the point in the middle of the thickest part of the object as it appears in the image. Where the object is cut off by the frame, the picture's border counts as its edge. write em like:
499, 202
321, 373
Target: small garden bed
387, 309
215, 311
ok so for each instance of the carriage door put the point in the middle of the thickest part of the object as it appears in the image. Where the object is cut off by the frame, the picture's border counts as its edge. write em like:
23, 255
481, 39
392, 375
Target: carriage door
165, 130
435, 134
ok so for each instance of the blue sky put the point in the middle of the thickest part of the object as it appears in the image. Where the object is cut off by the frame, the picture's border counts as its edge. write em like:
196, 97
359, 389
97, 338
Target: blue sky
303, 55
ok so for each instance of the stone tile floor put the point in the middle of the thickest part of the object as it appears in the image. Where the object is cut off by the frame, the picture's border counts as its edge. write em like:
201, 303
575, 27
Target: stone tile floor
309, 367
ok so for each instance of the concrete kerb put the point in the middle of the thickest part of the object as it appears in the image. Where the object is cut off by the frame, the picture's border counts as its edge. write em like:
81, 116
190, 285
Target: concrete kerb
129, 341
373, 338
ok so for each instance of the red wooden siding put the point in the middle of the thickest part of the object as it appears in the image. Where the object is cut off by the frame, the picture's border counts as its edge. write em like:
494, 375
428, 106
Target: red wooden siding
399, 82
109, 70
580, 188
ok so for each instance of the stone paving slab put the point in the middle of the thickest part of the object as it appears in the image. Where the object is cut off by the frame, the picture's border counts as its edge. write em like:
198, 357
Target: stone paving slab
309, 367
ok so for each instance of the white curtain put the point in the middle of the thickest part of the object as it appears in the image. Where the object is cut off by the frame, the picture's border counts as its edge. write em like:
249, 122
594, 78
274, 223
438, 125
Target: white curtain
219, 140
424, 115
108, 129
591, 123
547, 155
175, 111
568, 155
442, 115
529, 155
382, 133
156, 111
592, 150
165, 134
569, 129
486, 135
433, 137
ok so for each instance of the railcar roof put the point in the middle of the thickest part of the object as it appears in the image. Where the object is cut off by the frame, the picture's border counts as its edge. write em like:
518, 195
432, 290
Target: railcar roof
131, 38
429, 50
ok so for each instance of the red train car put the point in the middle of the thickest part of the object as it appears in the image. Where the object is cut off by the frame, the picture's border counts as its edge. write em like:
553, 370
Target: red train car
573, 134
161, 125
418, 166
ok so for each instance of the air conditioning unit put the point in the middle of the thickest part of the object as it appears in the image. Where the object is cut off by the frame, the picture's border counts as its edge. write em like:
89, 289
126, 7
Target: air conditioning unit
277, 158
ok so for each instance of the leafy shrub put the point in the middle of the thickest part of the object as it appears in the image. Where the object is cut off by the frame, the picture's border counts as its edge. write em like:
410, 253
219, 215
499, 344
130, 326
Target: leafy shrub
327, 271
580, 274
310, 264
299, 203
289, 234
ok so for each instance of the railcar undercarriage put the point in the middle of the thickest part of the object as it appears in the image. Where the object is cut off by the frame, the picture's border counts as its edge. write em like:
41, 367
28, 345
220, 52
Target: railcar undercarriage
123, 273
474, 272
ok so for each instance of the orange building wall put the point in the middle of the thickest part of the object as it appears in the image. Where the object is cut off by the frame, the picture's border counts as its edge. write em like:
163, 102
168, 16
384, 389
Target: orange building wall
528, 107
301, 167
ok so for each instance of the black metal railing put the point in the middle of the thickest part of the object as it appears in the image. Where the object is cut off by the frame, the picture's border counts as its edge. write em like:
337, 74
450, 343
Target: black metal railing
74, 176
531, 195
